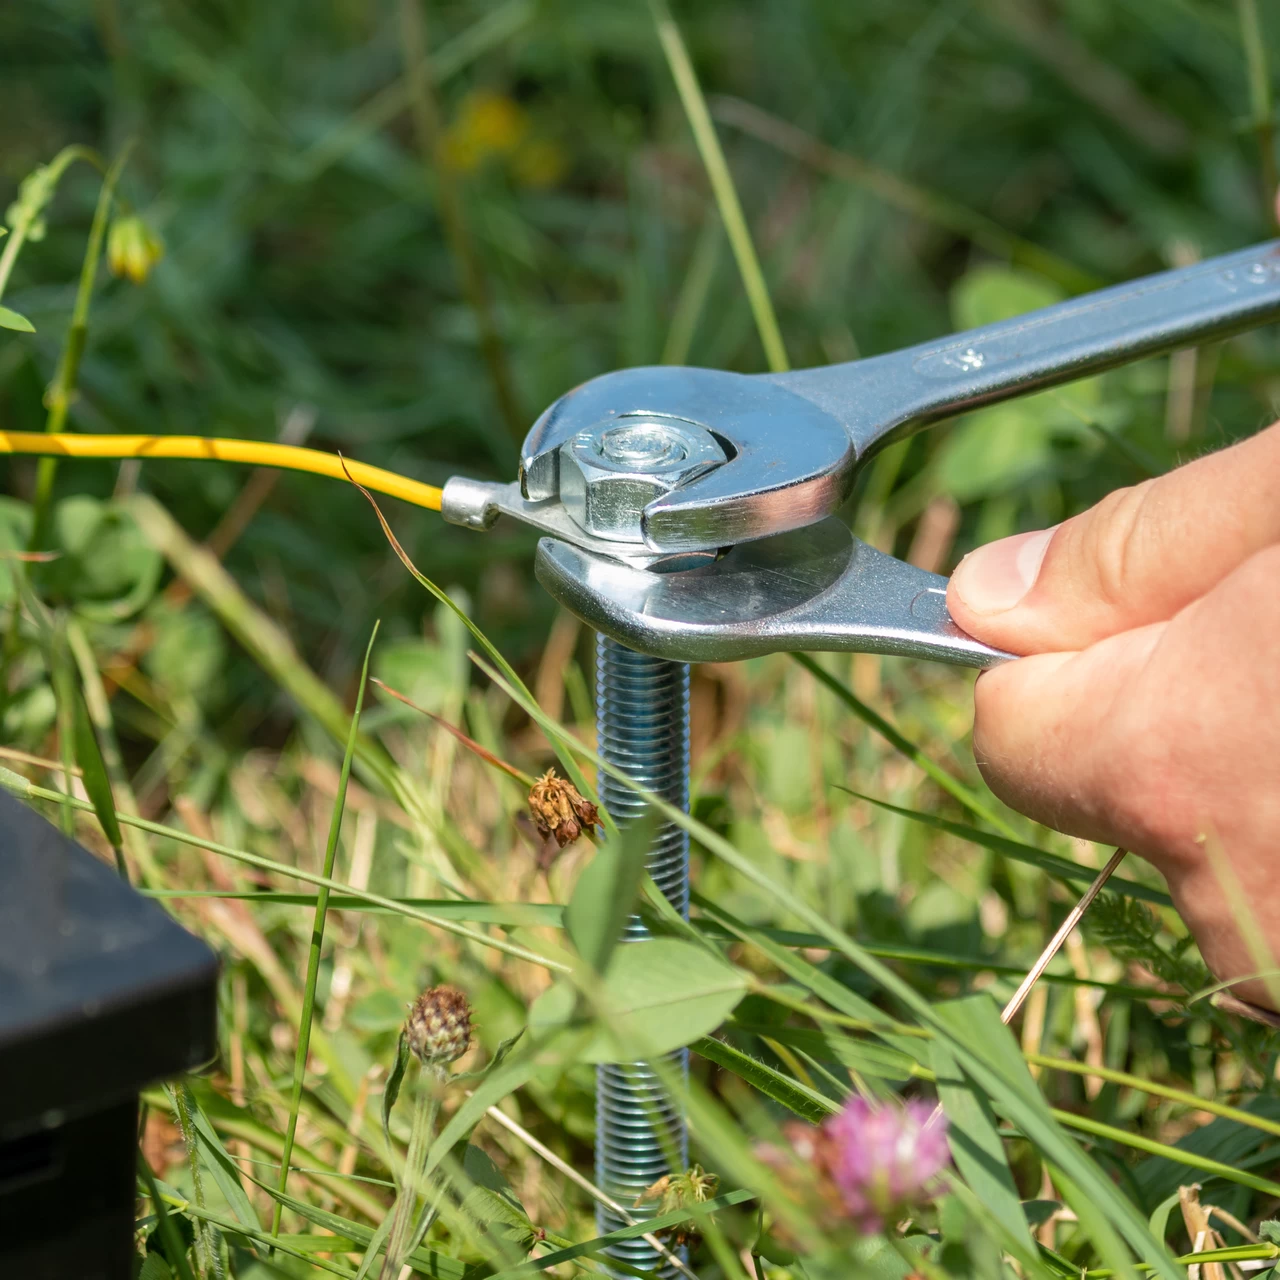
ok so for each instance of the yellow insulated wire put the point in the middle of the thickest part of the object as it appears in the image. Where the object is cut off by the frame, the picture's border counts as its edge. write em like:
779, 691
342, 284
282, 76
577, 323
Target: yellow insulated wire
255, 453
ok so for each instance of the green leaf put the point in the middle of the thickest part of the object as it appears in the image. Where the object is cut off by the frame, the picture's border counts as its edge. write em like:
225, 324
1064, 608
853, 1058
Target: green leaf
10, 319
188, 649
1160, 1218
96, 782
605, 895
988, 294
1223, 1140
108, 568
1018, 1244
658, 995
996, 448
509, 1077
490, 1199
173, 1234
394, 1081
823, 985
439, 1265
1006, 1081
427, 1261
1096, 1223
154, 1267
425, 673
661, 994
976, 1146
500, 1055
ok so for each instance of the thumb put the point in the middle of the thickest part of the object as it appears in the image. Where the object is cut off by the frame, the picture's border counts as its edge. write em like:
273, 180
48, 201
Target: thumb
1137, 557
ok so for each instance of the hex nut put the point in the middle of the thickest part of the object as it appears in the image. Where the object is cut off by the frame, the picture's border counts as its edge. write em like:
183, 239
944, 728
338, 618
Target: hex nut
610, 473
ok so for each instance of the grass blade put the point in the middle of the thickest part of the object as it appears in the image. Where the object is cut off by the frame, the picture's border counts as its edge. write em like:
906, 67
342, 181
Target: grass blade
98, 706
907, 197
470, 743
219, 1162
808, 1104
1255, 51
27, 790
317, 932
735, 224
976, 1145
1179, 1155
164, 1224
953, 786
97, 785
560, 740
424, 107
589, 1247
265, 641
1003, 1081
1060, 868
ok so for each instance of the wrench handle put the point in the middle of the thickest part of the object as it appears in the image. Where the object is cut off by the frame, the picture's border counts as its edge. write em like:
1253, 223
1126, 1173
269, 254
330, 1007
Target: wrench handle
881, 398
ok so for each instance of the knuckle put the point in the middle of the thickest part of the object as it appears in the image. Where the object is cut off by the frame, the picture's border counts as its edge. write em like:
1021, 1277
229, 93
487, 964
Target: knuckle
1108, 545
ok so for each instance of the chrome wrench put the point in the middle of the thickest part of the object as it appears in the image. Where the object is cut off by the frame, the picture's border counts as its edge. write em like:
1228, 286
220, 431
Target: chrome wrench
690, 510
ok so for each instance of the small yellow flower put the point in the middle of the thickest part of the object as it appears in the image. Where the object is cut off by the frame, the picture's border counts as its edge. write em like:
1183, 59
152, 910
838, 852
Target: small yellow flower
488, 124
133, 248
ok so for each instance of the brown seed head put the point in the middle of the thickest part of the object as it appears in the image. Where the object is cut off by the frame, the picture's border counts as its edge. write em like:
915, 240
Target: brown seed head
439, 1026
560, 810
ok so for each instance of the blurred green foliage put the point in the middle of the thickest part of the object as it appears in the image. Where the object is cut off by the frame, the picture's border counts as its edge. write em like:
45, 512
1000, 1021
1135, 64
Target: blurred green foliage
306, 267
956, 162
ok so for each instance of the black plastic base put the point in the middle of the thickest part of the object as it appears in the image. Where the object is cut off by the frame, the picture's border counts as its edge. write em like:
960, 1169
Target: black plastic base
67, 1197
101, 992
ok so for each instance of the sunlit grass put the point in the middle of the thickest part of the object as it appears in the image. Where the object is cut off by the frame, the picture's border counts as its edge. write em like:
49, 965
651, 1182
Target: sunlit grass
856, 885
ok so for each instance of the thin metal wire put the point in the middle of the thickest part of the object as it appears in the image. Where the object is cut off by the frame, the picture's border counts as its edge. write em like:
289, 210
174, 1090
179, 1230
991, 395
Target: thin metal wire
1064, 932
1019, 997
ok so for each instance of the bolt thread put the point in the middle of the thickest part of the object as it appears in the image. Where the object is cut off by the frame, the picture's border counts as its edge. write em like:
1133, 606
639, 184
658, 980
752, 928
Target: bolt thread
642, 726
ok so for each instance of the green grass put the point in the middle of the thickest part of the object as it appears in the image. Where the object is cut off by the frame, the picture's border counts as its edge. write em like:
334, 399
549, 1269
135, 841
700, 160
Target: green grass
416, 237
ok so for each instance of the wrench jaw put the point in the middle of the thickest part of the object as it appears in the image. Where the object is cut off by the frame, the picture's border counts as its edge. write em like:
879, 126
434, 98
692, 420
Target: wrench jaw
741, 558
815, 588
789, 461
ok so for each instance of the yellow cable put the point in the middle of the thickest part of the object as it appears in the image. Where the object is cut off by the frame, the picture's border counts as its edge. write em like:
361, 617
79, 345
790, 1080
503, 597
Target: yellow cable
254, 452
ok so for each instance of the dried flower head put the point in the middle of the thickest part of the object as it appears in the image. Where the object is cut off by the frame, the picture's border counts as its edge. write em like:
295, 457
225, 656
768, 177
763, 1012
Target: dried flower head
676, 1191
866, 1166
133, 248
559, 809
439, 1026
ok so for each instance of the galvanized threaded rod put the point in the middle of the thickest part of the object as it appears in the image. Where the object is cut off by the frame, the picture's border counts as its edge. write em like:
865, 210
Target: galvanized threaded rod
642, 723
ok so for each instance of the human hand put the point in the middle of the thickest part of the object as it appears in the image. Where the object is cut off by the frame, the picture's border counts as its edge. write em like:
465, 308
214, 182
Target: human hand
1147, 714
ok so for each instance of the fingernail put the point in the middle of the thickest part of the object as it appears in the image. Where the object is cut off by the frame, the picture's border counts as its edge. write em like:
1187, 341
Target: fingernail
995, 577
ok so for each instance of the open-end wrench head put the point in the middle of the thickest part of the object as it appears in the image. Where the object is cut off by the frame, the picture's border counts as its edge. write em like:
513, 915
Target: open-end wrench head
813, 588
789, 461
